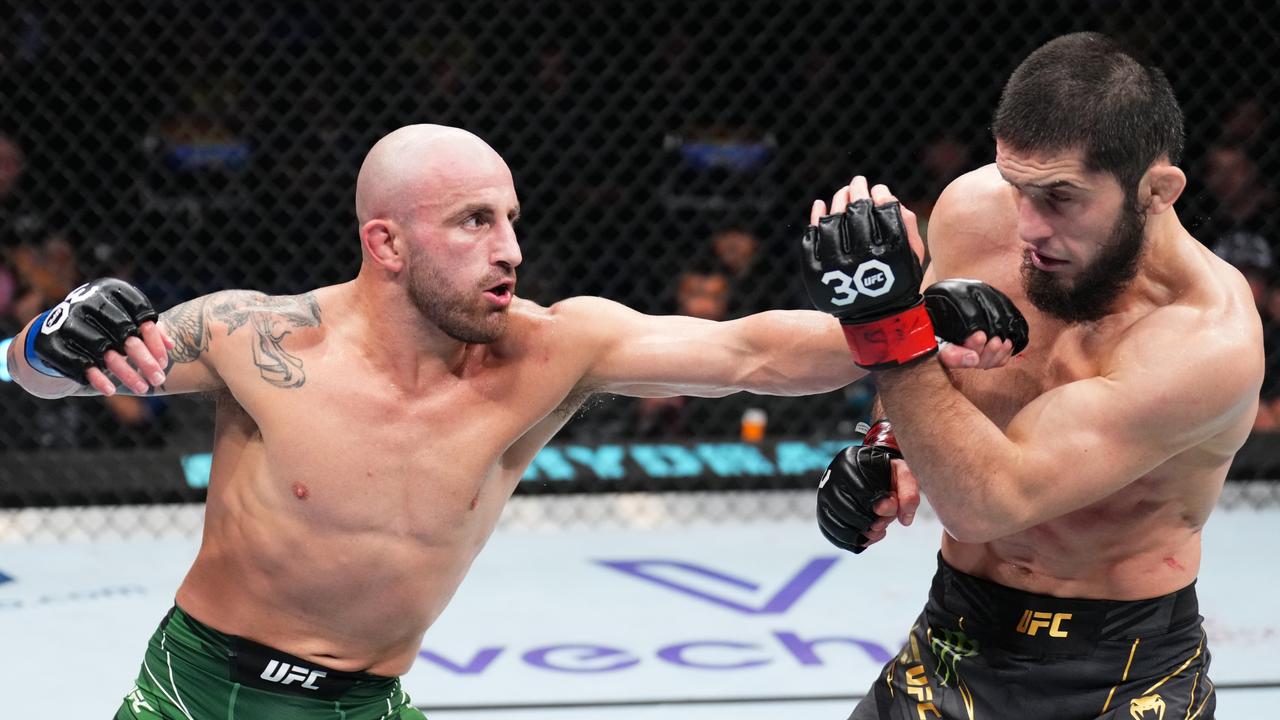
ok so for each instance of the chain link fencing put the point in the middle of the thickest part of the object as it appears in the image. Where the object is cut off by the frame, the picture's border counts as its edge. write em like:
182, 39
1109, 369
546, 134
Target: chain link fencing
665, 155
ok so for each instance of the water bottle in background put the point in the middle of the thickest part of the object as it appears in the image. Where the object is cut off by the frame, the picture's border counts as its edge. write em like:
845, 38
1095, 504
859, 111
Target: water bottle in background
753, 424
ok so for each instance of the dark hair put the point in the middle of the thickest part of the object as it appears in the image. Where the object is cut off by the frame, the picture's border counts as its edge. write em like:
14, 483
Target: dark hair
1085, 91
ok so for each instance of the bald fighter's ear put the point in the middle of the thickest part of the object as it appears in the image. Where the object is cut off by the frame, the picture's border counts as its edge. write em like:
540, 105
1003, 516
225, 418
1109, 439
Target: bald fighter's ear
381, 242
1164, 184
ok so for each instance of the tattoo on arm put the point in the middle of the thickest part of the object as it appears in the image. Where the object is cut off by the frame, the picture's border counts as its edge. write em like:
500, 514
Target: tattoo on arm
188, 330
271, 317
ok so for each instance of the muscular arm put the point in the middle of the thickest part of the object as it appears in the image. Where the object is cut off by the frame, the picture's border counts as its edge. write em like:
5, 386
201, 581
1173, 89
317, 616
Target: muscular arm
780, 352
206, 343
1082, 441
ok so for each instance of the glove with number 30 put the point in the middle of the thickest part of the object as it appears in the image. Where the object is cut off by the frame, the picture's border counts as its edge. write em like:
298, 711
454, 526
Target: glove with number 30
859, 267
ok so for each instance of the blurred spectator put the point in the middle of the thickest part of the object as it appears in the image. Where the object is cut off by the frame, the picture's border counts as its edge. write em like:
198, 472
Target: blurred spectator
22, 231
1237, 219
19, 222
705, 290
1244, 124
941, 160
38, 268
702, 291
12, 165
1266, 292
45, 272
752, 286
1237, 211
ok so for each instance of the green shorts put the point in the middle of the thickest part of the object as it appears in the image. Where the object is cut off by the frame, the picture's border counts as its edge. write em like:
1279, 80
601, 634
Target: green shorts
193, 672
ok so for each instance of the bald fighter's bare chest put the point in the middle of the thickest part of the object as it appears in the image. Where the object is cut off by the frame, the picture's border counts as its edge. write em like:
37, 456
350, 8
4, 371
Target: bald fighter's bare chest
362, 452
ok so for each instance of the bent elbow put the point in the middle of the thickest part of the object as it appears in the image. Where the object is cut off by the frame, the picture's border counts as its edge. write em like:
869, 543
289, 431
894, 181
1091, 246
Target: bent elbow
971, 533
981, 525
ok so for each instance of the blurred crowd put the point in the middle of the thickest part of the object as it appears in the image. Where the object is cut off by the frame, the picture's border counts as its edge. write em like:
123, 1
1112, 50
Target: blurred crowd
39, 264
1231, 206
236, 174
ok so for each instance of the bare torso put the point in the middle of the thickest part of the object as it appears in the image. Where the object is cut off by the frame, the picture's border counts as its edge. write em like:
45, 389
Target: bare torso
1144, 540
343, 514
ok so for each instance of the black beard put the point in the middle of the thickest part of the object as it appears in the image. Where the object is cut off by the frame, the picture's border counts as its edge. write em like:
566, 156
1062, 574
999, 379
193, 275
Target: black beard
1099, 284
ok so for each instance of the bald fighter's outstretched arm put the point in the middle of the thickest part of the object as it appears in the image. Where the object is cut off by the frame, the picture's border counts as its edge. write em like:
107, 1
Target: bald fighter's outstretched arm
780, 352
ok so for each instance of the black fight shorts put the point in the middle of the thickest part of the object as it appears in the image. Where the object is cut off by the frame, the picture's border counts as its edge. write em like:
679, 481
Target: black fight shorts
982, 651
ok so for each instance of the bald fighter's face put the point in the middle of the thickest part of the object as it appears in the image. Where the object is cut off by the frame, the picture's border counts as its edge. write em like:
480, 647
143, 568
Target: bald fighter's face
443, 201
463, 252
1083, 236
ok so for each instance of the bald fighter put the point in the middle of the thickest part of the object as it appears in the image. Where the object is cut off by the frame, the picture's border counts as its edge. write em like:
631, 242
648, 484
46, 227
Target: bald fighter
368, 434
1074, 482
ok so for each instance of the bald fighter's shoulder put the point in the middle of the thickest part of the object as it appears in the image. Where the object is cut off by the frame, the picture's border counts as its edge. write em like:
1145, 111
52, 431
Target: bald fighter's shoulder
568, 315
575, 319
973, 207
587, 313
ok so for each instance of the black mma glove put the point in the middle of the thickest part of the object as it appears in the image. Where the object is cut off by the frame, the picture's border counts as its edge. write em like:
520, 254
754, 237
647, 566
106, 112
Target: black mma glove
77, 332
958, 308
859, 477
859, 267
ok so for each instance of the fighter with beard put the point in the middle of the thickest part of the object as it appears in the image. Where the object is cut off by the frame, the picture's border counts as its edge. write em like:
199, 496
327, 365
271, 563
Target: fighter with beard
369, 433
1073, 483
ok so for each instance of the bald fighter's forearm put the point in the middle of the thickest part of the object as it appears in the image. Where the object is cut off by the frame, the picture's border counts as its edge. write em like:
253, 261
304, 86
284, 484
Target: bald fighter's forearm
793, 352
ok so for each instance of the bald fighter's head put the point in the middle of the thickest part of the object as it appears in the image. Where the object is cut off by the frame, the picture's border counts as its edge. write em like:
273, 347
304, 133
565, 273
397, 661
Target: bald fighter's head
404, 167
436, 207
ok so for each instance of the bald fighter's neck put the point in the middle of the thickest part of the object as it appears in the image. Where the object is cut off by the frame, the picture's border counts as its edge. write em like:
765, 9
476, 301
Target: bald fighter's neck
395, 337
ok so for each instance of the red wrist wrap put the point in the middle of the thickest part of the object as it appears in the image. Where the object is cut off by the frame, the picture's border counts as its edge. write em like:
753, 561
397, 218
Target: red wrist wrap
881, 435
892, 341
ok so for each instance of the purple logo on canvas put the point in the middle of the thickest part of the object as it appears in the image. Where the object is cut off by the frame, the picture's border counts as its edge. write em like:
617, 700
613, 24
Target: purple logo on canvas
719, 588
702, 654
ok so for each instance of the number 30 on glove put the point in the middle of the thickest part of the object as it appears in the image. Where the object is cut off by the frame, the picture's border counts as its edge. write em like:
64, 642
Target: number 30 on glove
859, 267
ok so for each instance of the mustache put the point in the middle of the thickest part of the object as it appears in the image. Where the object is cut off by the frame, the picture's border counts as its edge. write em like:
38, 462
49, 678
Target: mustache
499, 279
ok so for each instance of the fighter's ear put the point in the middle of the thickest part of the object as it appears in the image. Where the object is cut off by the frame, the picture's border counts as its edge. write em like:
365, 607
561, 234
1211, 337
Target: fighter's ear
1162, 186
382, 243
